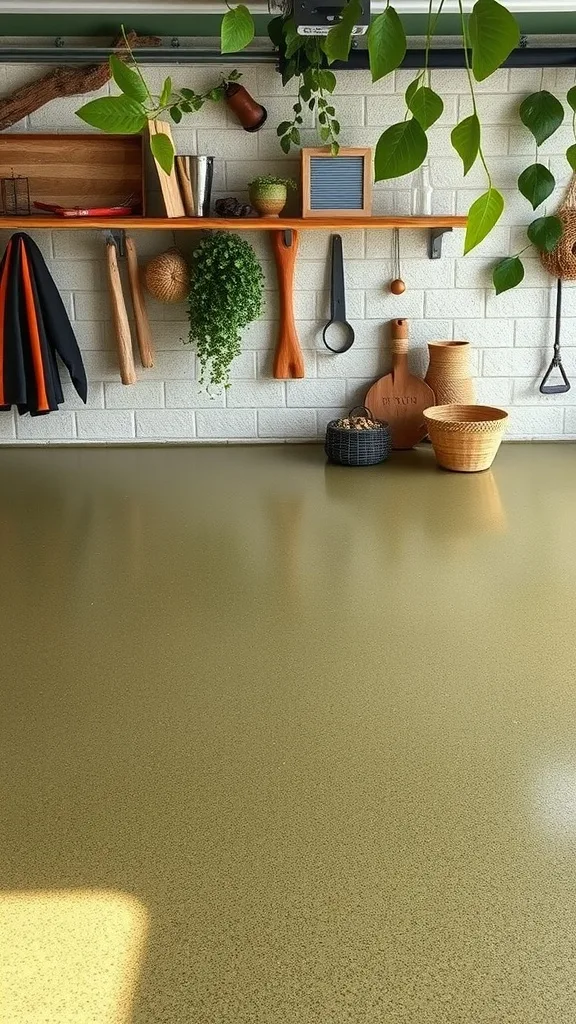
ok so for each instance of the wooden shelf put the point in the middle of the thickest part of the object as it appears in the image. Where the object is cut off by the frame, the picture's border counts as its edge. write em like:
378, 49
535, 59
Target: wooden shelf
233, 224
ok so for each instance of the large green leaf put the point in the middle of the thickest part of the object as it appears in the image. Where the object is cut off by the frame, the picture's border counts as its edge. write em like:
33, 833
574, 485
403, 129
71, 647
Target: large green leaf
292, 40
483, 215
128, 81
166, 92
339, 39
117, 115
494, 33
542, 114
507, 274
326, 80
426, 105
545, 233
163, 151
236, 30
400, 150
465, 139
536, 183
571, 156
571, 97
386, 43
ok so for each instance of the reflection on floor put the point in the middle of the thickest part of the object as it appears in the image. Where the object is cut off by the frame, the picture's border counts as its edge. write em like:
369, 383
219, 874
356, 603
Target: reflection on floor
292, 743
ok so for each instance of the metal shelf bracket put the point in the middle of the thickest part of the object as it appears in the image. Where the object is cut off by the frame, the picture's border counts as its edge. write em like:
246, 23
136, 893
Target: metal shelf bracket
435, 242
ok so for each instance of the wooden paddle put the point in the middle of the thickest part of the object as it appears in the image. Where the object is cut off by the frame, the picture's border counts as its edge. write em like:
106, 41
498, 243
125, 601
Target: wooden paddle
142, 324
400, 398
288, 359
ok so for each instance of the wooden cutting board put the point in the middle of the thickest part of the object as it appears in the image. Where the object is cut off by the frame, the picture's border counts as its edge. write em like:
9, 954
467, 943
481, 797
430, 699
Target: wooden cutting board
399, 397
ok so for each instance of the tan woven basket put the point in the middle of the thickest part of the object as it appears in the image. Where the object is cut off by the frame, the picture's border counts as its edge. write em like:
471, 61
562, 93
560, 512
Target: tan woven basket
167, 277
561, 262
465, 438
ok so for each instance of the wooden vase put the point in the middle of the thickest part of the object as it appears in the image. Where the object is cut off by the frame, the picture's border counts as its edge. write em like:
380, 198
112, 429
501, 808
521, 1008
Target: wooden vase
250, 114
269, 200
449, 373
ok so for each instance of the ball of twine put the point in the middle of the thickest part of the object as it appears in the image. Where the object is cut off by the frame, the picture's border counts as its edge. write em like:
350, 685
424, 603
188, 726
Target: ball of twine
167, 278
561, 262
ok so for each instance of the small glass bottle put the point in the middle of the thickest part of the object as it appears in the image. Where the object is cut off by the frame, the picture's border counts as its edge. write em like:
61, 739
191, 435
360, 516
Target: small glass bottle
422, 193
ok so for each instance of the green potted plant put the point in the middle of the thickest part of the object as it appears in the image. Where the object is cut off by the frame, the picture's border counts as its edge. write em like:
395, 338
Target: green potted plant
226, 290
268, 194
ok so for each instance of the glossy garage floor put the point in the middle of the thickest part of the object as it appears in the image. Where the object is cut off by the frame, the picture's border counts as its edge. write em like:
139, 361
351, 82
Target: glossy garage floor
284, 743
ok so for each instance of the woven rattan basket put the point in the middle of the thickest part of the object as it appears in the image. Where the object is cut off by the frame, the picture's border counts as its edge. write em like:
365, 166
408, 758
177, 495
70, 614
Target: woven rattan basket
358, 447
465, 438
167, 277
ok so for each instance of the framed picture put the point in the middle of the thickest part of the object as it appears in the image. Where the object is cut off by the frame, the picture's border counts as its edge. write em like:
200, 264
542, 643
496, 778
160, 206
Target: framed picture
338, 186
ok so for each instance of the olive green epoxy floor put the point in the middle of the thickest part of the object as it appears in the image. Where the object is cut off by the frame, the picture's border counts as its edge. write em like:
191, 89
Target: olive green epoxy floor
283, 743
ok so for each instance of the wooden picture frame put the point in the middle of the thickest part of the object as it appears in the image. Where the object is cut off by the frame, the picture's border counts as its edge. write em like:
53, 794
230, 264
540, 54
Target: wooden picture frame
351, 185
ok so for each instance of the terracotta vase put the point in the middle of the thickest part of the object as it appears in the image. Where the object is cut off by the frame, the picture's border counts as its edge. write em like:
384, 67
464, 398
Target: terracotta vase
269, 200
249, 113
449, 373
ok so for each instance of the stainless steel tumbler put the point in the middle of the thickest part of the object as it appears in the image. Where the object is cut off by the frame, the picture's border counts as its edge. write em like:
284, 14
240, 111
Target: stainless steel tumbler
195, 174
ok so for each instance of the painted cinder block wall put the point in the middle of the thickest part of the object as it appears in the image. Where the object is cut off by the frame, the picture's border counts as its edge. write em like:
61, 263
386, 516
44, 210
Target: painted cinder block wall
511, 335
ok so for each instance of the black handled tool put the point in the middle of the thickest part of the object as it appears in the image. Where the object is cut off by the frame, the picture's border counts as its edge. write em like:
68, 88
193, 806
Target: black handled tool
556, 364
338, 325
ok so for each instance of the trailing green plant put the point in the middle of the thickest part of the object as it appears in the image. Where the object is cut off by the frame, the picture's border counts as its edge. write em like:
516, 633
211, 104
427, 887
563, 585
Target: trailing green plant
226, 290
129, 113
304, 58
271, 179
542, 114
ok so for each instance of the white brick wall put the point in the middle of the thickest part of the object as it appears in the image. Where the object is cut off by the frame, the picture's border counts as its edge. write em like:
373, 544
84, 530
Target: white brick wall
512, 334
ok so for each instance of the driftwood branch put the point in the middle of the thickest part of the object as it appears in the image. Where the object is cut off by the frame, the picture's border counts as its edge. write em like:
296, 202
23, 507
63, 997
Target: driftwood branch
64, 82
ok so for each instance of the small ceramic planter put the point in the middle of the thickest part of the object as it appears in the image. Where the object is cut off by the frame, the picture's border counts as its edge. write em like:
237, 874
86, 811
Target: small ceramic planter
250, 114
269, 200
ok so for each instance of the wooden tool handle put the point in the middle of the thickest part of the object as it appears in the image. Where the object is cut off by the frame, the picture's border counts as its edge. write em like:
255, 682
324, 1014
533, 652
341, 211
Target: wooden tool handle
143, 333
400, 349
288, 359
122, 327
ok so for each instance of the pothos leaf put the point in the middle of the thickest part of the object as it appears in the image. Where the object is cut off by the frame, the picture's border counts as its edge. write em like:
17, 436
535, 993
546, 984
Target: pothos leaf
465, 139
545, 233
426, 105
236, 30
483, 215
571, 156
571, 97
507, 274
339, 39
542, 114
536, 183
386, 43
494, 33
400, 149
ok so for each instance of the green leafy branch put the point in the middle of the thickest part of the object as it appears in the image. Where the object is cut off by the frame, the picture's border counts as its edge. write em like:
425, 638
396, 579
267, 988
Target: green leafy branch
130, 112
542, 114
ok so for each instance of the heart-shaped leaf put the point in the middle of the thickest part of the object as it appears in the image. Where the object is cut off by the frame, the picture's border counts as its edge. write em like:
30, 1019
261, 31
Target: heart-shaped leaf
545, 233
128, 81
163, 151
571, 97
412, 88
386, 43
483, 215
571, 156
507, 274
494, 33
400, 150
426, 105
536, 183
465, 139
542, 114
326, 80
236, 30
117, 115
339, 39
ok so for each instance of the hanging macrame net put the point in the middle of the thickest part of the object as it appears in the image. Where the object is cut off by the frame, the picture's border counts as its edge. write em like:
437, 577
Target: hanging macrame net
561, 262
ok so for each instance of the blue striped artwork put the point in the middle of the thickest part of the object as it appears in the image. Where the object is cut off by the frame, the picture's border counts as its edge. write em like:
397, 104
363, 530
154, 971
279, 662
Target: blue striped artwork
336, 183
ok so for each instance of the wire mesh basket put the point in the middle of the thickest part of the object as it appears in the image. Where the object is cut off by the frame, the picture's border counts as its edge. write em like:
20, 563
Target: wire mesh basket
365, 447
